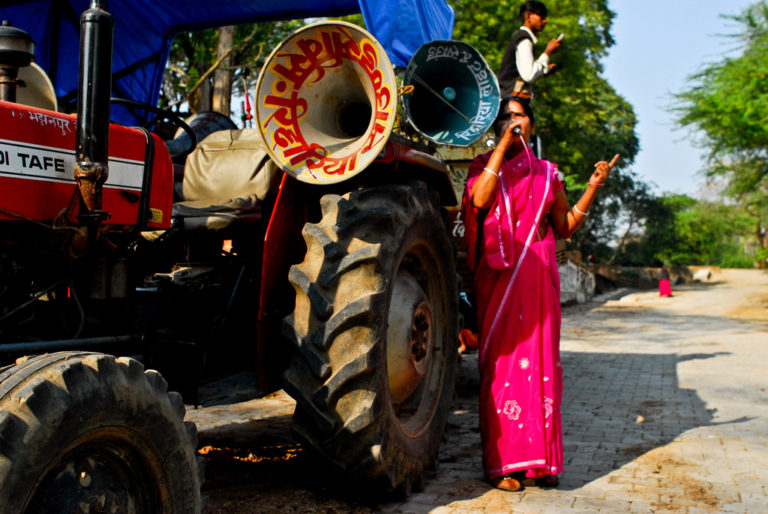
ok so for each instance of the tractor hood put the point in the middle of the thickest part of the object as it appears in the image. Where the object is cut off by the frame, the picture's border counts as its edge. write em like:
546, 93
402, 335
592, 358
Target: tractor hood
144, 30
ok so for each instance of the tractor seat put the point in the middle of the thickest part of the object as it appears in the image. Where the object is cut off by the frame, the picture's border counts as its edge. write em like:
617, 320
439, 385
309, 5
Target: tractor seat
225, 178
35, 88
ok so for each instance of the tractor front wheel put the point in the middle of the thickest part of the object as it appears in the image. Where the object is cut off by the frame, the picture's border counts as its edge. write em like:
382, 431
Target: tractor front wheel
86, 432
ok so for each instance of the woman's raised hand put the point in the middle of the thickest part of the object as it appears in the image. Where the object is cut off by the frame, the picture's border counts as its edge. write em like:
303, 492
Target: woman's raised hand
602, 170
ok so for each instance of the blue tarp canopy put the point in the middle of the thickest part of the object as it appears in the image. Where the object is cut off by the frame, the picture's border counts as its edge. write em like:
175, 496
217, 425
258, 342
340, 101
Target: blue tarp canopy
144, 30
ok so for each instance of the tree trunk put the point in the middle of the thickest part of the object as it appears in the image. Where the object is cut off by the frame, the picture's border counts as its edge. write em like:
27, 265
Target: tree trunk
200, 99
760, 243
622, 241
222, 82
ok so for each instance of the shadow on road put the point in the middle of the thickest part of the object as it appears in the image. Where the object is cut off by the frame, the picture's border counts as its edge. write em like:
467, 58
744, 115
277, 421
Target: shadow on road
620, 406
617, 407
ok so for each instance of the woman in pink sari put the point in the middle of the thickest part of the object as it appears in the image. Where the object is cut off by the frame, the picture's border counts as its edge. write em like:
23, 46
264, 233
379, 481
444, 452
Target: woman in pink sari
514, 205
665, 289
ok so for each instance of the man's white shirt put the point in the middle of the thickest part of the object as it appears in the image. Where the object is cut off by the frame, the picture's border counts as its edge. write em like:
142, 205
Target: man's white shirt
530, 70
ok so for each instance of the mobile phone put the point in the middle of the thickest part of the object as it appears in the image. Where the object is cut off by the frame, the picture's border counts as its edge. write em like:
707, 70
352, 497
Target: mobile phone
561, 36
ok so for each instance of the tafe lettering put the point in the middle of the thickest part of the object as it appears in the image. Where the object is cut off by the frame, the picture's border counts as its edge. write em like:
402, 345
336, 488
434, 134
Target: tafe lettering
32, 161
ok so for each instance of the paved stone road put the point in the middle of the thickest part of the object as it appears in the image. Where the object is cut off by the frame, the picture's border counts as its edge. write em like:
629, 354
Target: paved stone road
665, 410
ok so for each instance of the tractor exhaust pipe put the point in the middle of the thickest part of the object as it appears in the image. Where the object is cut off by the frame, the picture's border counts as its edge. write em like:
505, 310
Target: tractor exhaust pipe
94, 91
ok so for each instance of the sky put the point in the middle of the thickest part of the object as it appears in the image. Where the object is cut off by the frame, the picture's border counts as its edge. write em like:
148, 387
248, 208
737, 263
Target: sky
659, 44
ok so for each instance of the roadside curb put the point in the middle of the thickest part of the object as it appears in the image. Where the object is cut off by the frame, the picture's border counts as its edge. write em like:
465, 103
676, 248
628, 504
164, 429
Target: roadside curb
614, 295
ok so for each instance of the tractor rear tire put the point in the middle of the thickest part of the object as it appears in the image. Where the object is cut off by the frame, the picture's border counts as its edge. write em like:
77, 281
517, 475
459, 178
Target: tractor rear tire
374, 331
87, 432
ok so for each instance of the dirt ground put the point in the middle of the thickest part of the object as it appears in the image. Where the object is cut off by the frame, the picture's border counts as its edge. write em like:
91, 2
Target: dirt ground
253, 464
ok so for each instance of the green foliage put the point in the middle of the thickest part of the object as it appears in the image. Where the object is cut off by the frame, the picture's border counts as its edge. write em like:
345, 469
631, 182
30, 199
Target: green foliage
761, 255
728, 100
710, 233
580, 118
489, 24
193, 54
631, 211
685, 231
357, 19
727, 103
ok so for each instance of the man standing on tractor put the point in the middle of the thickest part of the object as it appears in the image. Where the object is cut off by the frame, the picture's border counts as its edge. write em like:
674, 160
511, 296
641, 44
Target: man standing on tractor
519, 70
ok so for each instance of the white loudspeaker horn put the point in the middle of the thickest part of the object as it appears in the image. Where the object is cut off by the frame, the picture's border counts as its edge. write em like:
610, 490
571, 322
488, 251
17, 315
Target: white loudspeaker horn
326, 102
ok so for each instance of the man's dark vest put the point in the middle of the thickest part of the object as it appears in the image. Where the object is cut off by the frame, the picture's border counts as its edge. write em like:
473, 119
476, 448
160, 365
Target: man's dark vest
508, 74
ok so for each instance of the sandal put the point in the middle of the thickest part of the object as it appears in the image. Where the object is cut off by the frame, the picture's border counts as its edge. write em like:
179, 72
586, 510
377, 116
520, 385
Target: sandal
543, 481
507, 483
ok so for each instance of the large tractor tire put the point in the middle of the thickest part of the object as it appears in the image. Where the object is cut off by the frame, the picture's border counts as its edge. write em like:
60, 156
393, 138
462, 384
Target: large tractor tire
86, 432
375, 333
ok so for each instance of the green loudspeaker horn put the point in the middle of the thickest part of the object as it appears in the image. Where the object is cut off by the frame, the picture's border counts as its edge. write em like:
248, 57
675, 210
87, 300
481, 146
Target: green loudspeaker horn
455, 96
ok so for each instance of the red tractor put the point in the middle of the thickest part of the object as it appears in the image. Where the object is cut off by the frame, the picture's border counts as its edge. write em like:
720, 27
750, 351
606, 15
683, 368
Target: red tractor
313, 249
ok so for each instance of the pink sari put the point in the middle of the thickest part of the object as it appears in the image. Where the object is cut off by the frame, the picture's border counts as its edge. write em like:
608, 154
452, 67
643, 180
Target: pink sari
517, 292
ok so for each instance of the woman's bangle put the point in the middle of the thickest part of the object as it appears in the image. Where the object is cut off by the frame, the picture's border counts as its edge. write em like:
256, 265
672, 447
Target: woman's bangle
594, 184
579, 210
489, 170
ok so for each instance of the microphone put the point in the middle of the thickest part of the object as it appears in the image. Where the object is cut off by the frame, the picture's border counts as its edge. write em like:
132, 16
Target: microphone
517, 131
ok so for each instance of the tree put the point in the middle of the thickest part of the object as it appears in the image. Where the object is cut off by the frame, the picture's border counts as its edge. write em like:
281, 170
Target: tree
630, 211
727, 104
659, 238
580, 118
710, 233
222, 79
681, 230
196, 56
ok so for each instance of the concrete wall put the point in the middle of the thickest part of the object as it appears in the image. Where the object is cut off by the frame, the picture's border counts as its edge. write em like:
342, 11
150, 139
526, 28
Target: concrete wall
577, 283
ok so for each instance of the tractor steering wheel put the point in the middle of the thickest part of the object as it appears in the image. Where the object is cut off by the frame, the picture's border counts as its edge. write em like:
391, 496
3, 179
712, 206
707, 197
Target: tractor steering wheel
162, 114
